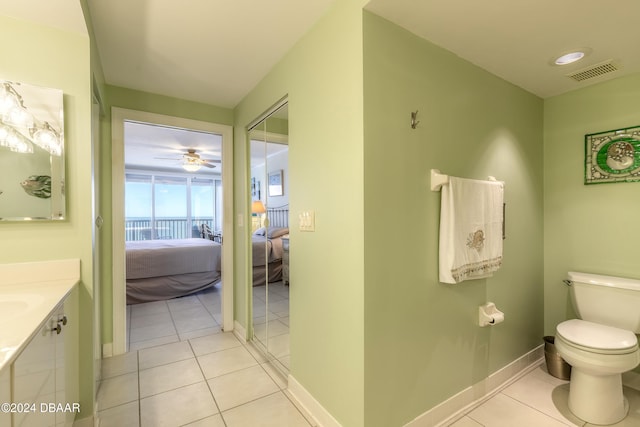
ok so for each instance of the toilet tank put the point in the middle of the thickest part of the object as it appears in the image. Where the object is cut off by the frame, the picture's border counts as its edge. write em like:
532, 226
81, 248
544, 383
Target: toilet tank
608, 300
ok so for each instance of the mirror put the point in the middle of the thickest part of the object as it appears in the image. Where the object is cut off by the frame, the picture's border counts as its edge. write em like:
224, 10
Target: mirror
31, 153
269, 194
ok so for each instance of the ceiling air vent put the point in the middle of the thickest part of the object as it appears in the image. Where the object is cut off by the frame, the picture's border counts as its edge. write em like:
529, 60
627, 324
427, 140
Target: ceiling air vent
593, 71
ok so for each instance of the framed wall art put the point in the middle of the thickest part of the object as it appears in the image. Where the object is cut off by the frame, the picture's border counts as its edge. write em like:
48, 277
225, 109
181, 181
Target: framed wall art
612, 156
275, 183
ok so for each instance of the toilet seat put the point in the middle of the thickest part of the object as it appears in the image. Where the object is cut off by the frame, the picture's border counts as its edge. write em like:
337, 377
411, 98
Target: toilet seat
597, 338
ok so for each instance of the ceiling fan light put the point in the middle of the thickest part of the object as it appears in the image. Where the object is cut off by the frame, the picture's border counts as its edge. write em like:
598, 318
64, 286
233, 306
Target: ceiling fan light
191, 166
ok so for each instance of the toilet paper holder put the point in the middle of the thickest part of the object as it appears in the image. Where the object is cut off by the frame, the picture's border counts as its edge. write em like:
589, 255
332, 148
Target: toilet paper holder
489, 315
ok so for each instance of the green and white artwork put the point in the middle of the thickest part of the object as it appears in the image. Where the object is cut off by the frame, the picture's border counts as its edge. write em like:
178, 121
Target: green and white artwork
612, 156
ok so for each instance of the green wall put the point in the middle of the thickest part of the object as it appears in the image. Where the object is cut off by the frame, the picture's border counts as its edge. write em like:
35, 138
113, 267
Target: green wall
422, 340
588, 228
63, 62
322, 75
115, 96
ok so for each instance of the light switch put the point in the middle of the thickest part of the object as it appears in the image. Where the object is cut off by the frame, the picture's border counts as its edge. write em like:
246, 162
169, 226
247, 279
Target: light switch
307, 221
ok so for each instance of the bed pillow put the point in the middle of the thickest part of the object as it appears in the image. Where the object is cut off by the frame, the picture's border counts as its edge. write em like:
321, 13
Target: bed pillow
259, 232
277, 232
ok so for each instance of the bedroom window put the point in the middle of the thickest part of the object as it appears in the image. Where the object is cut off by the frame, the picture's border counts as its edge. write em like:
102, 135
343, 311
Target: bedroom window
170, 207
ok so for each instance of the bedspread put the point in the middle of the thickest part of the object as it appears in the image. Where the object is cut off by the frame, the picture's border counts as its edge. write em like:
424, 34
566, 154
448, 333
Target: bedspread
154, 258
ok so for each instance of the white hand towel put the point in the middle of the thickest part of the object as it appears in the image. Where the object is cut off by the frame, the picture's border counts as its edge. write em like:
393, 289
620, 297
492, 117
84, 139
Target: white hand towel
471, 218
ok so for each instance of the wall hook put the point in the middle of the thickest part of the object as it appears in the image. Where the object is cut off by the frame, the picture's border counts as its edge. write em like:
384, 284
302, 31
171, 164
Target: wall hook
414, 122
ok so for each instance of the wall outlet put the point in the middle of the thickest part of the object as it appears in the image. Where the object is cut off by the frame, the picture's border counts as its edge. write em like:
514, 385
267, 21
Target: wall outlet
307, 220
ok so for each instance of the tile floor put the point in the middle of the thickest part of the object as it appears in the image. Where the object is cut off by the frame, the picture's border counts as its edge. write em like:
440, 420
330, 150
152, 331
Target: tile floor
276, 307
163, 322
539, 400
183, 371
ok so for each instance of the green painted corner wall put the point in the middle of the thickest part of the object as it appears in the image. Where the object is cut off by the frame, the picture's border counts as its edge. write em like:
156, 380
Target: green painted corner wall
422, 341
588, 228
68, 70
322, 76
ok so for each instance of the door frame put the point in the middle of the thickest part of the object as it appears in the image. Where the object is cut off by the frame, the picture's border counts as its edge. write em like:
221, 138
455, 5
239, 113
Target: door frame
118, 117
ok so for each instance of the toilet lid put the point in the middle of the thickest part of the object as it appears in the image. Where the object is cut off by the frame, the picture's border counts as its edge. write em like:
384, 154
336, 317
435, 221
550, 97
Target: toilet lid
596, 336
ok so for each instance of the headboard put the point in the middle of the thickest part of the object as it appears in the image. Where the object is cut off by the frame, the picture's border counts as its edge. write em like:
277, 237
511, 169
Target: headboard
278, 217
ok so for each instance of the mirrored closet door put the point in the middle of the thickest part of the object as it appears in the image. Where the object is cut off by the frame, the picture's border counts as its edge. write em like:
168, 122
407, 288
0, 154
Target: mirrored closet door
269, 193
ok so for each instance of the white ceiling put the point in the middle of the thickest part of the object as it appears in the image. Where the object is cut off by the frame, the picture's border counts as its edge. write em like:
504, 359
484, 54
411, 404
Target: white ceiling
216, 51
63, 14
516, 40
153, 147
211, 51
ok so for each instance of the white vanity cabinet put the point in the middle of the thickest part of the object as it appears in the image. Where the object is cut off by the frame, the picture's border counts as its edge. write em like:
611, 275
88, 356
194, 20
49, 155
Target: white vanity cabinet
34, 379
40, 395
39, 343
5, 395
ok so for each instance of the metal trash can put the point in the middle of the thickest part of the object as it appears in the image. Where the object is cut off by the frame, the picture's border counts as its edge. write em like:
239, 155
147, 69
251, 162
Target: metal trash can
556, 366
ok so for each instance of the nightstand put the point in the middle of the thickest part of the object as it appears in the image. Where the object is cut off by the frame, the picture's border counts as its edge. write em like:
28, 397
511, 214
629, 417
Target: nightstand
285, 259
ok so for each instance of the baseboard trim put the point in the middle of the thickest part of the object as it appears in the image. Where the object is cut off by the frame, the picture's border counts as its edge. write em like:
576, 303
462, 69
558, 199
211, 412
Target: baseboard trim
107, 349
239, 331
455, 407
86, 422
320, 415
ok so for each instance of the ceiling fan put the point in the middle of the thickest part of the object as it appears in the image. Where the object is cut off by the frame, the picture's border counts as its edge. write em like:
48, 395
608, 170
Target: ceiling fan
191, 161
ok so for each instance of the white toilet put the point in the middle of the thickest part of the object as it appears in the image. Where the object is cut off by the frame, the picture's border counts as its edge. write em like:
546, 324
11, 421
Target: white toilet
601, 346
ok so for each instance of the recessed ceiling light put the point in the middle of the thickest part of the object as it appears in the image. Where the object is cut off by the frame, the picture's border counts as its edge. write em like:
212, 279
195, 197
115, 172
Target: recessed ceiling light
571, 57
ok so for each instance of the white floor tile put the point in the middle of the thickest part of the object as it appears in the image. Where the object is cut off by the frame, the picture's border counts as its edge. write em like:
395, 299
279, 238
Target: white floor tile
185, 336
226, 361
504, 411
545, 393
161, 355
118, 390
138, 345
151, 319
119, 365
213, 343
188, 312
194, 323
177, 407
274, 328
274, 410
465, 422
184, 303
146, 333
147, 308
168, 377
214, 421
242, 386
119, 416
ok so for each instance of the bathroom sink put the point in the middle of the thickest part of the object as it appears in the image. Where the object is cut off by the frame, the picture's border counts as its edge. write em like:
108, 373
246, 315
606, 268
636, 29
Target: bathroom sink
10, 308
13, 305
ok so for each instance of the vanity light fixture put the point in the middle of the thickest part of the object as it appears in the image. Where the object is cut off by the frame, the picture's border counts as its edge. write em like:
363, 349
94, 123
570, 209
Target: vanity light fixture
14, 140
12, 107
9, 98
46, 138
19, 128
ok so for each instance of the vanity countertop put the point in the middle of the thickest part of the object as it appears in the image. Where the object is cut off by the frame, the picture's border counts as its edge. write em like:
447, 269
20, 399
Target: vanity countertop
29, 292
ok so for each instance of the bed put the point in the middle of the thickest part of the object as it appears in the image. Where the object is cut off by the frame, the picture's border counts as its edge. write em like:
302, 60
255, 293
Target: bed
165, 269
272, 257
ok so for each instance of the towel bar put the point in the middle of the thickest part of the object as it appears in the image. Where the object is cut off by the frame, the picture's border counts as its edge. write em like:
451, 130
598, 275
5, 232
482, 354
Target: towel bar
439, 179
